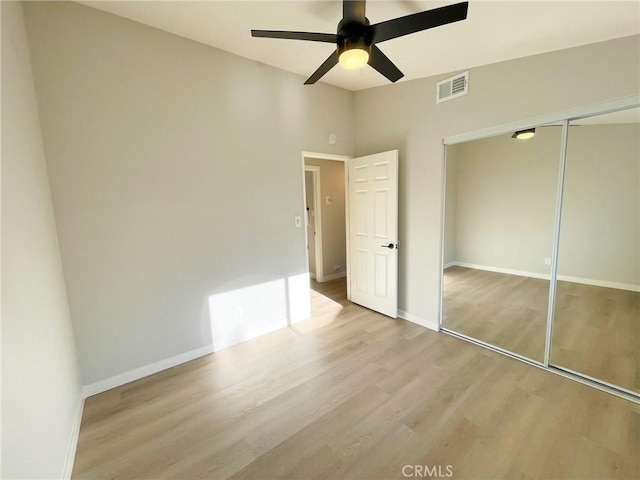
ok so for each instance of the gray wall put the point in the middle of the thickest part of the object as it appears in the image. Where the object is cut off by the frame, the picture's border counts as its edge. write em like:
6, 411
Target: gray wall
175, 168
502, 197
334, 235
451, 205
405, 116
40, 377
600, 230
506, 201
310, 205
176, 176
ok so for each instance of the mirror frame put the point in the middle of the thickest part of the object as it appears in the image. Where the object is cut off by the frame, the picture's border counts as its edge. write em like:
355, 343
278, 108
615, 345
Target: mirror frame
564, 118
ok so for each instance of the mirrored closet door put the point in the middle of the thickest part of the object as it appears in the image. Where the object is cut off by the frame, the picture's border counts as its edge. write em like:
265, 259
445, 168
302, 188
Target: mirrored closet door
596, 327
499, 227
541, 247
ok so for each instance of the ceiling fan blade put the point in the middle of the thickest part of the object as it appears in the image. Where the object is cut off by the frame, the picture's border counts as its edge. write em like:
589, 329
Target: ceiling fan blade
398, 27
382, 64
310, 36
353, 10
328, 64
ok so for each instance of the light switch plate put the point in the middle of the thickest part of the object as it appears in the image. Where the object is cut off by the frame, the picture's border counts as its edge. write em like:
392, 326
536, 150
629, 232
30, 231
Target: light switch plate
298, 221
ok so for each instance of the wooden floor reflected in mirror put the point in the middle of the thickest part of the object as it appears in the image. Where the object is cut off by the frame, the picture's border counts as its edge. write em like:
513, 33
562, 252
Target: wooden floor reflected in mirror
596, 329
596, 332
507, 311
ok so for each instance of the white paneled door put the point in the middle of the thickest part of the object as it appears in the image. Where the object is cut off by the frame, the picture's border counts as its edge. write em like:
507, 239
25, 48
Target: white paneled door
373, 232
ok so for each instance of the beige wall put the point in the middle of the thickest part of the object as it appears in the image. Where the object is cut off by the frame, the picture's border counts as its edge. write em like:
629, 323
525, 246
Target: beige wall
176, 176
405, 116
333, 216
40, 375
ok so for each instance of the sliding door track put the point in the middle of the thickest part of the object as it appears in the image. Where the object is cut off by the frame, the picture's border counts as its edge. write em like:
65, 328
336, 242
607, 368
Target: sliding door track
563, 372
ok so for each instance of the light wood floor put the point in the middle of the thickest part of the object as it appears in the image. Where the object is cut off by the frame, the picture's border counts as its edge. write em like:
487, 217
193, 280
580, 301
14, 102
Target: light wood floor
352, 394
596, 330
484, 305
335, 290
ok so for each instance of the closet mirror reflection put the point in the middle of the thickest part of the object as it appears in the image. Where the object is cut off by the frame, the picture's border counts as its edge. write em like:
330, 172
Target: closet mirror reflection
499, 228
596, 329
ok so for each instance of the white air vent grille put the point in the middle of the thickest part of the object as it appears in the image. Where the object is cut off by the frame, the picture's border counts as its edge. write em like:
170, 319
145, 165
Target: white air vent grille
452, 87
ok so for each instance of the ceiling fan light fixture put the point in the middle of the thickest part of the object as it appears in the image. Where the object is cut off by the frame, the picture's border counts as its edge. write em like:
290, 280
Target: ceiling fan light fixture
356, 39
354, 58
524, 134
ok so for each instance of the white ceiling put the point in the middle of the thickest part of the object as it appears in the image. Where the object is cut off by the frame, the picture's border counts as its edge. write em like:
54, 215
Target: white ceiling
493, 32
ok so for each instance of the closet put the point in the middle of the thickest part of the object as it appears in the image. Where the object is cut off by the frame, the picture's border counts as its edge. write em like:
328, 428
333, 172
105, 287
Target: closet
541, 244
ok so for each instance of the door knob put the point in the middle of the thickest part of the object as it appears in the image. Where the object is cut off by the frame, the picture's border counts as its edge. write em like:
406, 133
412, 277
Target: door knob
391, 246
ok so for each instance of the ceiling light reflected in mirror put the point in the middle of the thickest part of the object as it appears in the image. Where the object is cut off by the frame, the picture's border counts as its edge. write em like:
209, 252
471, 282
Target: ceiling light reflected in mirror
524, 134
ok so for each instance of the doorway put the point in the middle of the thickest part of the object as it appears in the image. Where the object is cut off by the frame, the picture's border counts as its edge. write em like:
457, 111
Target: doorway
326, 217
313, 223
363, 193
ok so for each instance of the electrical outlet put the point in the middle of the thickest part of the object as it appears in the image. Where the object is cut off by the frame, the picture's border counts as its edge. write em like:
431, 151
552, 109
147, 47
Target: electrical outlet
547, 261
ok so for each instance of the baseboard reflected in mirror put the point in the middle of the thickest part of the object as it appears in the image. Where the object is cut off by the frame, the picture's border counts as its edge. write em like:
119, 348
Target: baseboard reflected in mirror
563, 203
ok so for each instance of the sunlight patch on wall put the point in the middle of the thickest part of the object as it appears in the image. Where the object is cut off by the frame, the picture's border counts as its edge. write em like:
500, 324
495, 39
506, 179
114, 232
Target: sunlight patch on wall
245, 313
299, 305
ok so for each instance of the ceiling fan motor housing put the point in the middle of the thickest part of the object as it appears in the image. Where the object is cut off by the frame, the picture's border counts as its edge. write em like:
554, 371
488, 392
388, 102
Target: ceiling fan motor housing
354, 35
357, 39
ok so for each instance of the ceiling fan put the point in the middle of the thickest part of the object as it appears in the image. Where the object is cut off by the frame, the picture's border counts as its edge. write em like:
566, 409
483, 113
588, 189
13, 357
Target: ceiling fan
356, 38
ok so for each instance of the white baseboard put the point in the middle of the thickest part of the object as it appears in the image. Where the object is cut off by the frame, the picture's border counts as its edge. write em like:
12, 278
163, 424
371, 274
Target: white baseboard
508, 271
600, 283
418, 321
131, 375
334, 276
564, 278
73, 443
145, 371
449, 265
254, 334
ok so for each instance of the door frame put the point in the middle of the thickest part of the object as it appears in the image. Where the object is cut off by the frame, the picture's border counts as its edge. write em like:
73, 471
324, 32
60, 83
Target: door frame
317, 215
339, 158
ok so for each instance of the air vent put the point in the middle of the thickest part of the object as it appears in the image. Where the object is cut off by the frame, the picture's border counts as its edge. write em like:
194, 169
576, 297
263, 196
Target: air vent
452, 87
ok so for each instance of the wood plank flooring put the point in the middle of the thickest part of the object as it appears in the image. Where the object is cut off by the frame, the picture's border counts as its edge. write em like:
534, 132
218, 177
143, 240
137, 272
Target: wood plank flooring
351, 394
335, 290
485, 305
597, 332
596, 329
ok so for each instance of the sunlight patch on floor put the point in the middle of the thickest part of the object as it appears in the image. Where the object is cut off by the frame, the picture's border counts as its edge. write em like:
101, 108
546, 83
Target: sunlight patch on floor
324, 311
